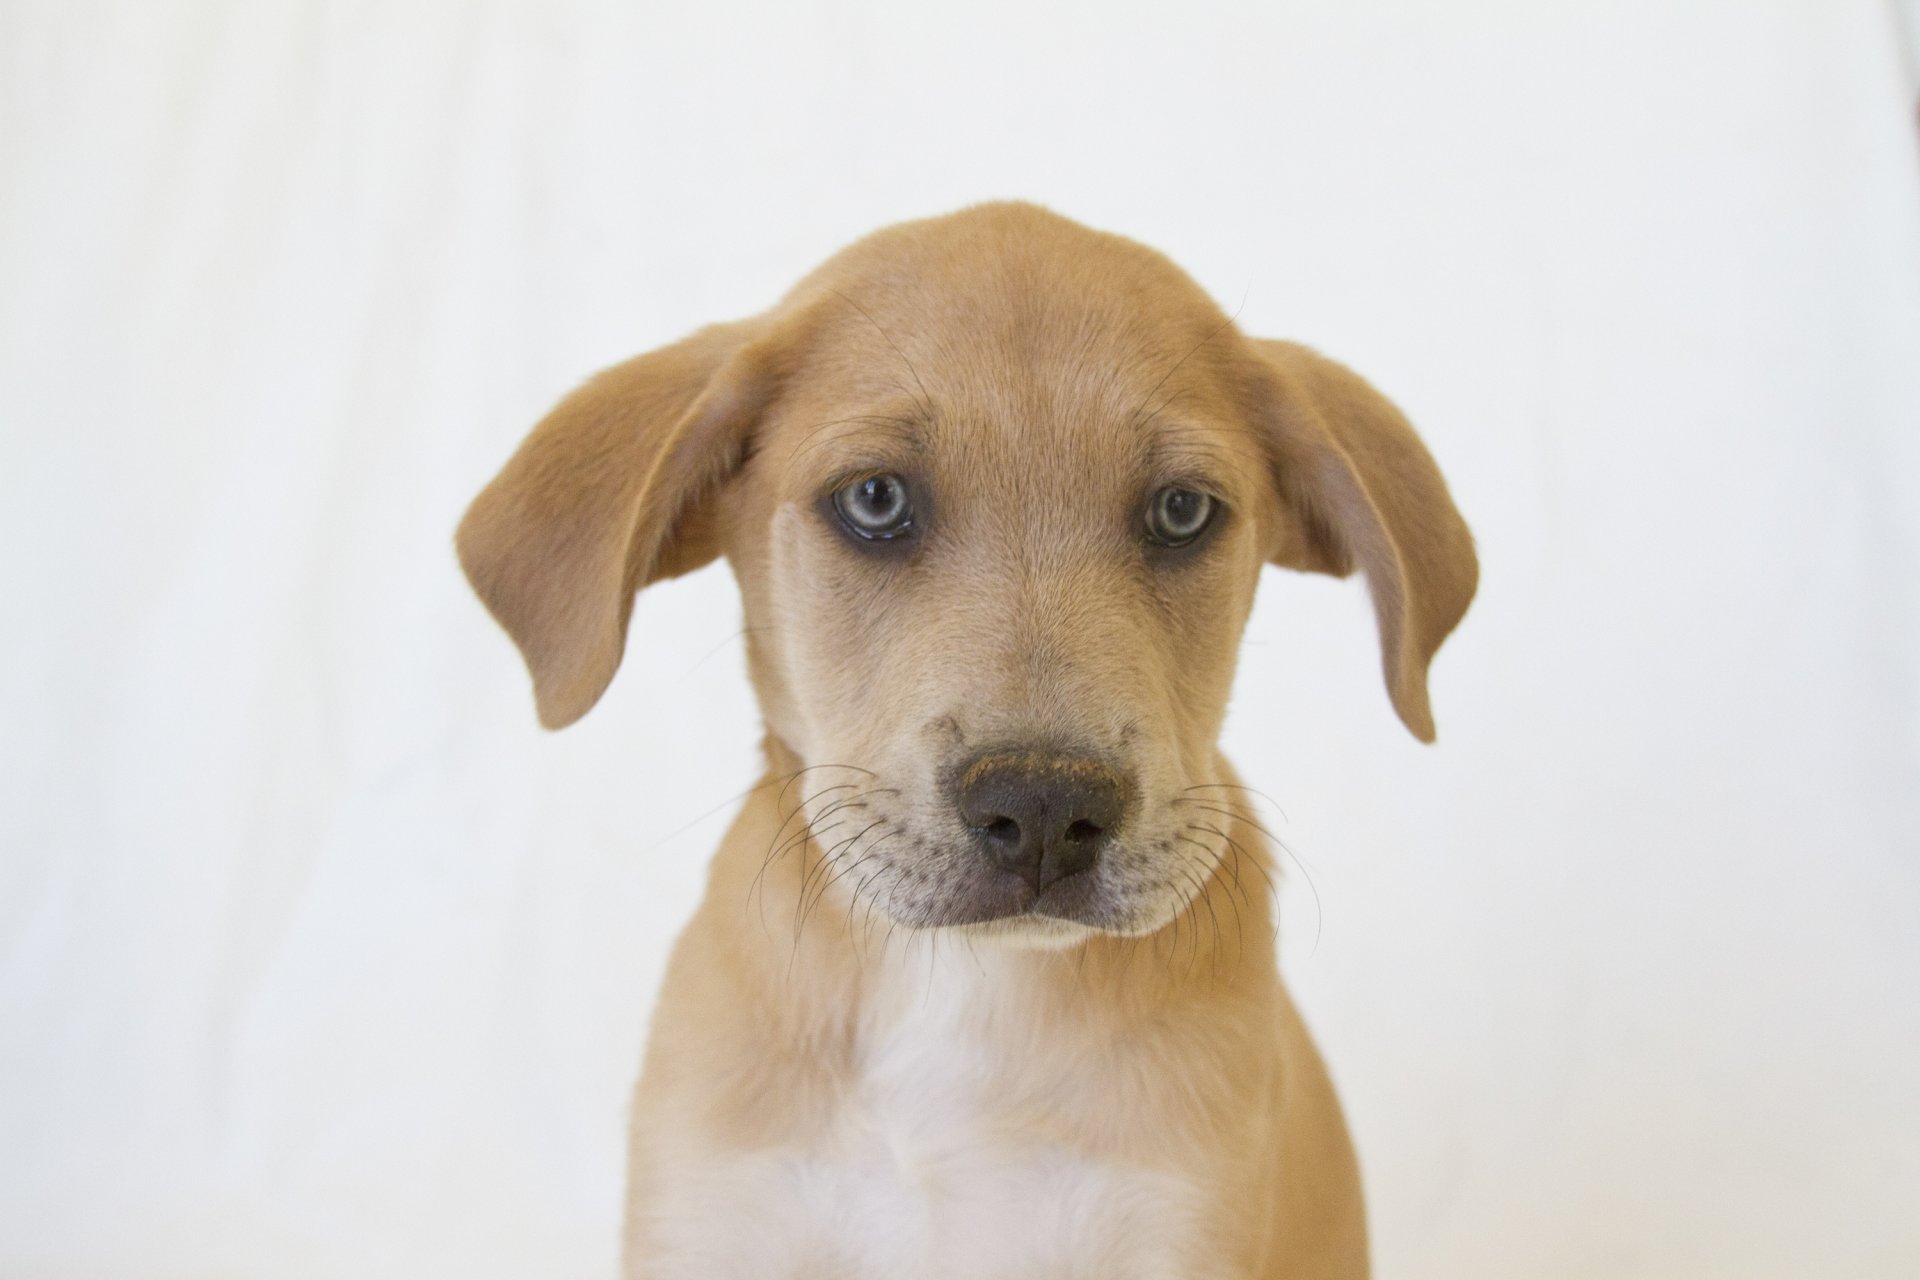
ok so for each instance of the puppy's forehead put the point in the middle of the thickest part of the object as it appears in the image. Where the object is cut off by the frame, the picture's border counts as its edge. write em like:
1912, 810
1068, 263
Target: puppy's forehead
1013, 292
1067, 343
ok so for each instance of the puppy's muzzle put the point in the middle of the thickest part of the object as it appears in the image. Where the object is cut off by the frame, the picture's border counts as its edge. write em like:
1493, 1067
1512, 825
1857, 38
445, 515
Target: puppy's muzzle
1043, 818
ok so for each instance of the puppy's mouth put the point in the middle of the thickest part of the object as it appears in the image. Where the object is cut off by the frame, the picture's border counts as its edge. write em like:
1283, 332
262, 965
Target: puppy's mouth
950, 885
1021, 854
1006, 896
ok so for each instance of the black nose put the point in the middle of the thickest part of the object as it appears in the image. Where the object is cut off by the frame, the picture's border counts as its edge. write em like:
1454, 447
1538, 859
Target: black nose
1043, 817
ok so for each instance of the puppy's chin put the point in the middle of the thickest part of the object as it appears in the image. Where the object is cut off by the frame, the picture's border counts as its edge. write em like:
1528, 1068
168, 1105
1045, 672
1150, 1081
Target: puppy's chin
1028, 932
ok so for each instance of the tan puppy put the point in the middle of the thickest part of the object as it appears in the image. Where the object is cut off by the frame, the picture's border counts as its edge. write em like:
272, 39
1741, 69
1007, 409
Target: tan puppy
983, 984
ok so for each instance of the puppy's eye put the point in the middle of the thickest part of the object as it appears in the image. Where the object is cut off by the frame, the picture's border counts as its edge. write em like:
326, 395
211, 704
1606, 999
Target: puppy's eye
1176, 517
874, 507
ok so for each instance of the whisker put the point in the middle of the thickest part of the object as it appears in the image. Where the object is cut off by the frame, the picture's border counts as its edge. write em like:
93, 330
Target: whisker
809, 829
860, 891
852, 867
1233, 813
925, 399
1215, 856
973, 954
856, 801
776, 847
710, 654
762, 785
1240, 786
1273, 889
1319, 918
1201, 896
801, 909
797, 774
907, 427
933, 957
1213, 333
828, 858
866, 920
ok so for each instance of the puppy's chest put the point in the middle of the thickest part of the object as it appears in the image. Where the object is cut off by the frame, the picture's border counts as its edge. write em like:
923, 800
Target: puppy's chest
937, 1161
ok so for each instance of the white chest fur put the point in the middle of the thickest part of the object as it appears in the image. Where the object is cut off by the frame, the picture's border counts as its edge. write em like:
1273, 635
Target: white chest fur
931, 1167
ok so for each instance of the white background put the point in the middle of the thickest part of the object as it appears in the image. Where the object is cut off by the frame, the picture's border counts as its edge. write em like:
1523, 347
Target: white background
318, 959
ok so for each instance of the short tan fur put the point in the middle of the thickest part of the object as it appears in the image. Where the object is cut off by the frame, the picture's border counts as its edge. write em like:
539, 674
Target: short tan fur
983, 983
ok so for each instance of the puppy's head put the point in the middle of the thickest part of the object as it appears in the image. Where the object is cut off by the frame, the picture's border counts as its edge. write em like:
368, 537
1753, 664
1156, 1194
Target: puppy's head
997, 490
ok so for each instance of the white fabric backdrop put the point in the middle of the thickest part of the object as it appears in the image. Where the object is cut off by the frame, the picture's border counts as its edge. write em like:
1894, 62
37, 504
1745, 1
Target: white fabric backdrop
318, 959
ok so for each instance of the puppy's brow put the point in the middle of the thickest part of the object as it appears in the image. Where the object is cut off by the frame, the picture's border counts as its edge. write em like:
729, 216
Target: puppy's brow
895, 430
1178, 452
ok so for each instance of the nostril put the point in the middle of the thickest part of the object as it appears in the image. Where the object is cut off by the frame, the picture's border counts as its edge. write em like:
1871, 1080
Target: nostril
1003, 829
1082, 831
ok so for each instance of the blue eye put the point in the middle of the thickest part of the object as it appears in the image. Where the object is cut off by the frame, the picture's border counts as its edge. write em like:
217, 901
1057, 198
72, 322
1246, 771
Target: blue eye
874, 507
1176, 517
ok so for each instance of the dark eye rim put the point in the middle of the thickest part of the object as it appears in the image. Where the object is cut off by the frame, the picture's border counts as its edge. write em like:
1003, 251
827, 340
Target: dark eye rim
1216, 511
833, 503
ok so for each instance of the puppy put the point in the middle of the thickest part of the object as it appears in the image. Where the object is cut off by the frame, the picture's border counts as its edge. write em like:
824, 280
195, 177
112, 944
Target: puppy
983, 984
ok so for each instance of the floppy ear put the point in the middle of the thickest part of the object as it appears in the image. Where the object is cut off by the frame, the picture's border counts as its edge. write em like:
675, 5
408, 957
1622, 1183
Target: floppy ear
609, 493
1370, 497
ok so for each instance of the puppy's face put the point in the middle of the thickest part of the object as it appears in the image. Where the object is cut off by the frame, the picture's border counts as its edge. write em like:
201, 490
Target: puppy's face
998, 541
997, 490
